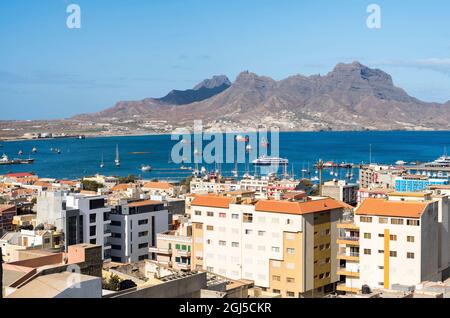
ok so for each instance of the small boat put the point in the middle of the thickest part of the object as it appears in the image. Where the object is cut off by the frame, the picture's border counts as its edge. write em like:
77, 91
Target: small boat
34, 150
102, 164
249, 148
146, 168
315, 178
400, 163
117, 160
240, 138
20, 152
185, 168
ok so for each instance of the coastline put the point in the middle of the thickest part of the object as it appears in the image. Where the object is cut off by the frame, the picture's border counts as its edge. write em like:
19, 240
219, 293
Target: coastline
87, 136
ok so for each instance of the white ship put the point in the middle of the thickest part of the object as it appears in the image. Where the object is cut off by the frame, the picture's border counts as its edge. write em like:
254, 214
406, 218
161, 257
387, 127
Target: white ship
270, 161
117, 161
441, 162
146, 168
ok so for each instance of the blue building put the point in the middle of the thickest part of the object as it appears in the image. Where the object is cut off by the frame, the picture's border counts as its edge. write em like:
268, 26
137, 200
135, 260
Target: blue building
416, 183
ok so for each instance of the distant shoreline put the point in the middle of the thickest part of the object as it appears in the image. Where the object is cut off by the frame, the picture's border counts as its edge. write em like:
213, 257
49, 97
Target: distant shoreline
12, 139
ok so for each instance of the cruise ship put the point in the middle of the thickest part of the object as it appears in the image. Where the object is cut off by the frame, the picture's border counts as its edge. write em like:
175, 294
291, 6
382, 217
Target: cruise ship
441, 162
270, 161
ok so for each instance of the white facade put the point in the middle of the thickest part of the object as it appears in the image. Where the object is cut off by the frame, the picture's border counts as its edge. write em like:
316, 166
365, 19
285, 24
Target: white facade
52, 208
413, 250
241, 250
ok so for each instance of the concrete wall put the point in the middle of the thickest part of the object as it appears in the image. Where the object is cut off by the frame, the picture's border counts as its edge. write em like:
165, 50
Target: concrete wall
188, 287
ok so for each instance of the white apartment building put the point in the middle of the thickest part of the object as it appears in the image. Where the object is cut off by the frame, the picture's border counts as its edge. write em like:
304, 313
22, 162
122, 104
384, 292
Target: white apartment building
398, 242
201, 186
288, 247
83, 218
341, 190
134, 227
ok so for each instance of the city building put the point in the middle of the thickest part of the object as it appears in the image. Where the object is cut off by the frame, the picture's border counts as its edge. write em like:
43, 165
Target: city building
341, 190
415, 183
7, 213
173, 248
134, 227
379, 176
283, 246
83, 218
398, 242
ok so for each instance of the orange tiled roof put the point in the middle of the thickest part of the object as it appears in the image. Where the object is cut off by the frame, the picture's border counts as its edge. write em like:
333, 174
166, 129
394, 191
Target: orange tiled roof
409, 209
6, 208
42, 184
289, 207
144, 203
158, 185
121, 187
212, 201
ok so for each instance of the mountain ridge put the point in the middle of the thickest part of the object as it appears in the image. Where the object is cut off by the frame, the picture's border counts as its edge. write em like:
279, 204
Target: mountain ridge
350, 97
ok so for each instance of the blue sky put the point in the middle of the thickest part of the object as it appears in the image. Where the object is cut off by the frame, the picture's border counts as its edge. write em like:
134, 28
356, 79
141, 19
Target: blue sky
129, 50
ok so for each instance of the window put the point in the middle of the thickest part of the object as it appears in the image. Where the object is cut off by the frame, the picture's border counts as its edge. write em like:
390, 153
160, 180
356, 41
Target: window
235, 216
367, 236
143, 245
47, 241
144, 233
290, 250
289, 221
275, 249
210, 228
116, 235
261, 233
222, 215
248, 246
365, 219
247, 218
198, 226
393, 237
276, 278
92, 230
210, 213
235, 244
290, 280
248, 232
290, 294
413, 222
276, 291
116, 223
410, 239
92, 218
198, 212
222, 243
380, 251
93, 241
410, 255
143, 222
143, 257
96, 204
383, 220
367, 251
116, 247
380, 235
393, 254
208, 241
397, 221
210, 269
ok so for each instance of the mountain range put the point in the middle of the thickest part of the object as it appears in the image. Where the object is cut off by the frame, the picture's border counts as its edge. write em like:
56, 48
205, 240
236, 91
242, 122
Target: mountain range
350, 97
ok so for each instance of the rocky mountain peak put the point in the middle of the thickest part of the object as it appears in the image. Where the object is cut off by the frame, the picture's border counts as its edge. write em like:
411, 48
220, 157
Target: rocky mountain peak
215, 81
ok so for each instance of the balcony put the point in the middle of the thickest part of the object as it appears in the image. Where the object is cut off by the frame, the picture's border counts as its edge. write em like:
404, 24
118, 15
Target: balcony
184, 266
348, 240
344, 272
348, 256
163, 263
184, 253
343, 288
162, 251
347, 225
107, 233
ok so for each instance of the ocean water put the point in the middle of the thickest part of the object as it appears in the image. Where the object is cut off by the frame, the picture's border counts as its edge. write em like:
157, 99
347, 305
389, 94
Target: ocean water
80, 158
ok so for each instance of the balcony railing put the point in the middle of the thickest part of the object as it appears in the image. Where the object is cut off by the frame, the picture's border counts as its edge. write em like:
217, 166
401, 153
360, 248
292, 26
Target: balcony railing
165, 251
184, 265
349, 238
183, 253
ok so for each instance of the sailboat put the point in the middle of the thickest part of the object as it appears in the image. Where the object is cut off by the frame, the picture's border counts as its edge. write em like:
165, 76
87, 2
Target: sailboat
34, 150
117, 161
235, 172
102, 164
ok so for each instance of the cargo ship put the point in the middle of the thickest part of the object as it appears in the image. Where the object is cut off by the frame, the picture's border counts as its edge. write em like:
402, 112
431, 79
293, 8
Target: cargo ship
5, 161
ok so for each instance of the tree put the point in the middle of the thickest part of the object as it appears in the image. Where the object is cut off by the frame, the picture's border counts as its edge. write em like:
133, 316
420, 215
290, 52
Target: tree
113, 283
130, 179
89, 185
